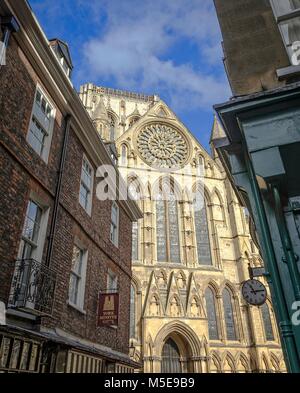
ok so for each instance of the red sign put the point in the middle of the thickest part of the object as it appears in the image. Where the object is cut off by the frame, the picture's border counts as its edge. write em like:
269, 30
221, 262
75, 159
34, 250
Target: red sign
108, 309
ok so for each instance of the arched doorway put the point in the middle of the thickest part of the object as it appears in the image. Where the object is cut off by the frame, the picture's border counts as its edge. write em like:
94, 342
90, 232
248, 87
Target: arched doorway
171, 358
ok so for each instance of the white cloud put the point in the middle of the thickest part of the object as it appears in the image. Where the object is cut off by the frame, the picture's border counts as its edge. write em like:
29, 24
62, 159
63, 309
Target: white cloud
135, 46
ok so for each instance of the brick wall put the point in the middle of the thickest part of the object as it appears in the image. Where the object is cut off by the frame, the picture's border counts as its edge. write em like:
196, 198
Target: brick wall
22, 172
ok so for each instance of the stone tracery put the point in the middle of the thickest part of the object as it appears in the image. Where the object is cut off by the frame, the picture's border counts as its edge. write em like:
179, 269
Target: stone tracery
162, 146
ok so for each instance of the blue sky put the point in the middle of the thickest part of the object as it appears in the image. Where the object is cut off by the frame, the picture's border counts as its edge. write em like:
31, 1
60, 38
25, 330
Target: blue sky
171, 48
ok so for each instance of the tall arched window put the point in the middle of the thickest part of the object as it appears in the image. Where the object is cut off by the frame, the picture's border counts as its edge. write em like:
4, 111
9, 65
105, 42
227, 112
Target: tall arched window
211, 314
202, 231
167, 227
135, 241
132, 313
228, 315
171, 363
112, 128
266, 317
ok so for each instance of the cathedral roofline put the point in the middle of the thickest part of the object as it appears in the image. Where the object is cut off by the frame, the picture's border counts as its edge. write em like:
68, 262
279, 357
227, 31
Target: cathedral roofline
119, 93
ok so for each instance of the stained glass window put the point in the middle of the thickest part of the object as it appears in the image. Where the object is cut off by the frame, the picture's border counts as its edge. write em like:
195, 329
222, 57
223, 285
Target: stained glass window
202, 235
161, 231
167, 227
266, 317
211, 315
228, 315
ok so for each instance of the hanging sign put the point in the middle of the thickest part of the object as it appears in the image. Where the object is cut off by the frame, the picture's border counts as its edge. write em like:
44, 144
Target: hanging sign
108, 309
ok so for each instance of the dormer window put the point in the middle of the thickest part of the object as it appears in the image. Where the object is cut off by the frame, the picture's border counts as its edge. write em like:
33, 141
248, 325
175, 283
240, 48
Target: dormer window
62, 53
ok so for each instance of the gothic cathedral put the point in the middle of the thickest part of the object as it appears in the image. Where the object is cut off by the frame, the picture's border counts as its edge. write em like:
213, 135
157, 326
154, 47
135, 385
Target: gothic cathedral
187, 312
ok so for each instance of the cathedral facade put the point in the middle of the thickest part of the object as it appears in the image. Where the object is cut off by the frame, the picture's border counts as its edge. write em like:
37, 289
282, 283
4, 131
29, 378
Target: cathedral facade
192, 249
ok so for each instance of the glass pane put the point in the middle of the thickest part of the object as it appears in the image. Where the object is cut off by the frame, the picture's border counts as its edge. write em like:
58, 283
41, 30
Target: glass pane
36, 137
32, 222
86, 175
228, 314
291, 30
202, 237
211, 315
267, 322
83, 196
77, 260
282, 7
73, 290
174, 231
161, 231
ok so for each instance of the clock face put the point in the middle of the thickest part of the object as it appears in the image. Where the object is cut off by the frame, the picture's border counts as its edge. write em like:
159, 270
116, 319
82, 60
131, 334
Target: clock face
254, 292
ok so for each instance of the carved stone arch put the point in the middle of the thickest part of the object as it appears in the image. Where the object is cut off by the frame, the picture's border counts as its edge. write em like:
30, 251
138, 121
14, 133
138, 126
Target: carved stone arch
265, 365
174, 306
194, 306
161, 278
215, 363
228, 363
218, 206
136, 282
154, 305
275, 362
166, 184
209, 283
181, 279
230, 286
132, 179
161, 111
242, 362
210, 170
183, 330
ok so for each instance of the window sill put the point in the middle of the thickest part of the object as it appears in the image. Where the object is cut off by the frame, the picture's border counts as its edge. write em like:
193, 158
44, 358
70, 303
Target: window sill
288, 72
77, 308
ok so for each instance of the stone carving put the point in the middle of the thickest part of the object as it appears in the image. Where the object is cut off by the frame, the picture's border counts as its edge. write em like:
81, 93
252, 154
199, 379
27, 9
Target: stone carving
162, 146
154, 307
174, 308
195, 310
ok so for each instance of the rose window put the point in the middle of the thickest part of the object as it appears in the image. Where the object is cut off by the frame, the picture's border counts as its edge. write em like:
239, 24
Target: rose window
162, 146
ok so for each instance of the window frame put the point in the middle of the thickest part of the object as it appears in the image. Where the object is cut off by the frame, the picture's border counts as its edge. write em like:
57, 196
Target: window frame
214, 299
111, 276
87, 208
114, 226
164, 199
283, 19
234, 316
79, 305
267, 307
38, 245
36, 113
210, 231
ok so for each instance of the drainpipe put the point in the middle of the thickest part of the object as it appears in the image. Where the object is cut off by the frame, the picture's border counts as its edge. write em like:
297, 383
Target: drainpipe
9, 25
285, 326
58, 191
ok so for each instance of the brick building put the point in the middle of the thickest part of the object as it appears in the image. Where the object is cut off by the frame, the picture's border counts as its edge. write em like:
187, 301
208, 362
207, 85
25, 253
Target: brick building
60, 246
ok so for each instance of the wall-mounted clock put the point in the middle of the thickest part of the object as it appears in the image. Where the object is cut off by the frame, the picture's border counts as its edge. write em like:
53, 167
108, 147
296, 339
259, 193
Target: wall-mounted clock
254, 292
